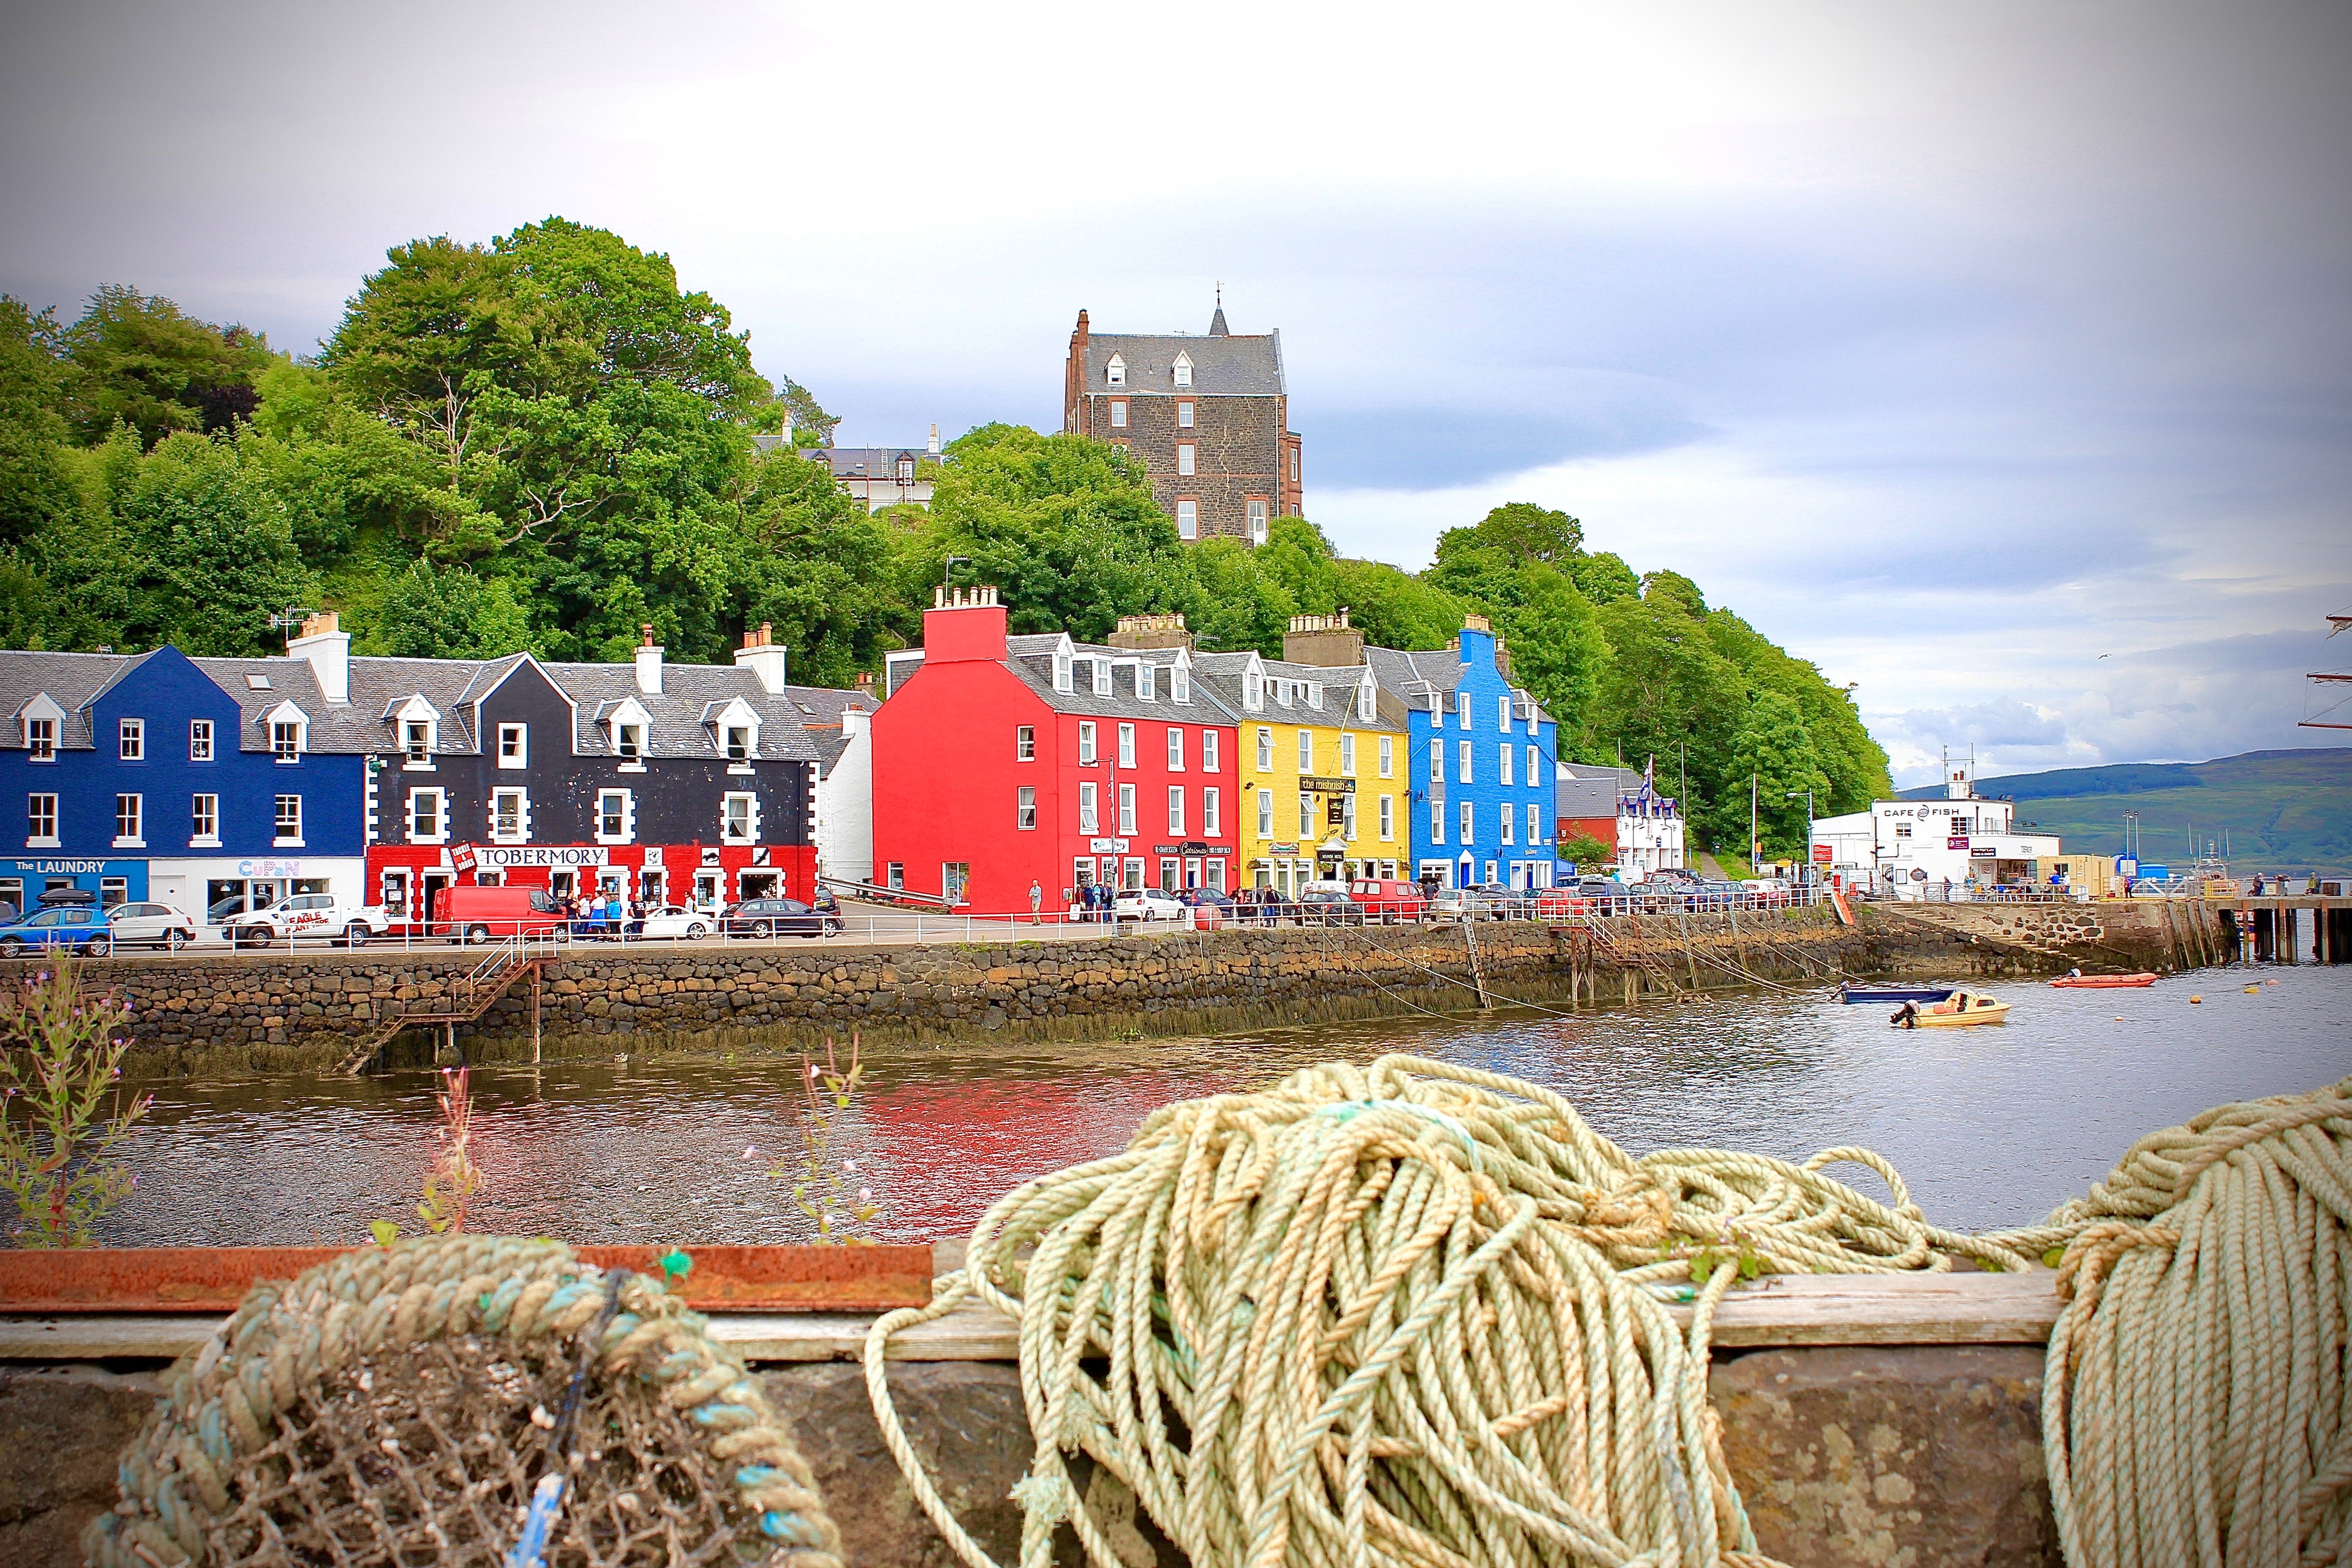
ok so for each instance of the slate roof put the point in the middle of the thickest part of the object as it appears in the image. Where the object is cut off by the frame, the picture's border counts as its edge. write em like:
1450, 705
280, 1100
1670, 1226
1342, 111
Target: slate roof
872, 462
1589, 794
1036, 671
1223, 672
1412, 675
1222, 366
71, 681
676, 711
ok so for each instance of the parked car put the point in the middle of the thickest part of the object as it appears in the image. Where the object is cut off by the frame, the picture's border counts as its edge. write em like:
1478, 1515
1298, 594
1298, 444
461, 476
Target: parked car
150, 925
671, 922
1768, 890
475, 914
75, 928
1563, 902
1149, 904
1328, 904
314, 915
1609, 896
1387, 899
775, 917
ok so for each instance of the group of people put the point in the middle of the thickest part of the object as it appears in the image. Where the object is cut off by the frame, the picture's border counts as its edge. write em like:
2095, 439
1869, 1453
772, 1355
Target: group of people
602, 913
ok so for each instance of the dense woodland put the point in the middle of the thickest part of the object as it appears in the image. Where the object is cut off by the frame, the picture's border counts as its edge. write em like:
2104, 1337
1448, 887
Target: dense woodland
543, 442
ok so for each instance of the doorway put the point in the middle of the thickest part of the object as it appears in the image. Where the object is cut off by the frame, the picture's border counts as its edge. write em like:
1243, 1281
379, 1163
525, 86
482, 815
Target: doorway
430, 883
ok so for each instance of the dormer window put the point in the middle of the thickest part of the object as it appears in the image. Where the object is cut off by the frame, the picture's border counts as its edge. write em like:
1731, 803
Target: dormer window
1116, 371
41, 739
1283, 692
629, 741
418, 724
1102, 678
1065, 674
1183, 369
906, 470
629, 728
739, 742
289, 732
416, 740
1253, 691
1315, 695
1146, 687
1367, 701
1179, 683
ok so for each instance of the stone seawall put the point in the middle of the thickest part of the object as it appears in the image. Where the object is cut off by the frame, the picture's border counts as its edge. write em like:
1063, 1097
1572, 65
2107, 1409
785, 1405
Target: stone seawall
2152, 934
279, 1011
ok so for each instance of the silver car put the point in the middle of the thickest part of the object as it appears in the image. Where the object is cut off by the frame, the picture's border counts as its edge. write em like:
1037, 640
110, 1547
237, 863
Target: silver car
150, 925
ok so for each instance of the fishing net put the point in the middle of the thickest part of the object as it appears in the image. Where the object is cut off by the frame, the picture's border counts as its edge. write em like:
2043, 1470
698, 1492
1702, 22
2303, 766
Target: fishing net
408, 1406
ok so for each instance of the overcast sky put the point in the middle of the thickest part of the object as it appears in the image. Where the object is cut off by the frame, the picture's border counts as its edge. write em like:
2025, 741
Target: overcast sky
1997, 358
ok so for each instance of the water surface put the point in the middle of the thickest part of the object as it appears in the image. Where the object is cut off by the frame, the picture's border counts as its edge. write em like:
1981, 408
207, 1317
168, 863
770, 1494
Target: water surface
1989, 1126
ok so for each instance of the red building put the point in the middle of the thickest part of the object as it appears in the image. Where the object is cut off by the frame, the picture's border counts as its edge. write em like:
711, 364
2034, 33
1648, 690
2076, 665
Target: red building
1001, 760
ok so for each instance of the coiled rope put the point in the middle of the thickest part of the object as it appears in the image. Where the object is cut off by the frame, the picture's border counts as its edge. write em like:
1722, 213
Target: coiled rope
2196, 1404
282, 1357
1405, 1314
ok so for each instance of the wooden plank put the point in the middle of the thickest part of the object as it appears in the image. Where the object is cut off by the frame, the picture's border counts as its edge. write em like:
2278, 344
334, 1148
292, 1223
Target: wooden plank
1812, 1310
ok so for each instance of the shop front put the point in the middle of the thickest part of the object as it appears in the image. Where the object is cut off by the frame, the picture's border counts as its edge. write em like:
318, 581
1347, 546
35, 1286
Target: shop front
218, 886
22, 882
1194, 863
406, 878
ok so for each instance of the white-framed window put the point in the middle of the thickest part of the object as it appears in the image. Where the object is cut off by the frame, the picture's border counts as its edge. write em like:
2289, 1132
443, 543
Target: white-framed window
130, 820
1388, 756
416, 740
427, 817
1115, 372
1503, 713
1504, 763
1086, 741
1183, 413
1065, 673
1025, 742
1462, 708
286, 739
1024, 808
1257, 520
955, 880
1348, 816
1511, 824
906, 470
616, 816
1346, 755
1175, 750
41, 740
1253, 691
1208, 750
1306, 817
1175, 810
742, 743
1265, 750
1437, 821
1179, 683
41, 821
629, 742
1469, 825
130, 740
1183, 369
204, 820
1126, 745
1437, 710
1127, 808
514, 745
896, 873
1188, 517
1185, 465
1367, 702
1535, 765
1211, 820
1147, 686
1535, 823
1090, 810
509, 816
1265, 814
1387, 817
200, 739
739, 816
1119, 413
1462, 763
288, 816
1102, 678
1306, 750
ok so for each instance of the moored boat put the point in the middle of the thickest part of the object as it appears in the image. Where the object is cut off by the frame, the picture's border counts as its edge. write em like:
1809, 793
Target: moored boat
1962, 1011
2104, 981
1893, 993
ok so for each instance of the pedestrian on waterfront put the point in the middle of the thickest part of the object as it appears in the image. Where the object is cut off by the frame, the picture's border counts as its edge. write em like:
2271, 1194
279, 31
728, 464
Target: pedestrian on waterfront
1036, 902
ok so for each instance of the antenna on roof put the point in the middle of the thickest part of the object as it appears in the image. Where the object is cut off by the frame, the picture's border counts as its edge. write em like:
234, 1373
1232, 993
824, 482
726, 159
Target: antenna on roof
291, 618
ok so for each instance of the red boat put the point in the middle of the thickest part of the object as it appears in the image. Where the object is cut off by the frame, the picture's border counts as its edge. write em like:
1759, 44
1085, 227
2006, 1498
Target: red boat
2106, 982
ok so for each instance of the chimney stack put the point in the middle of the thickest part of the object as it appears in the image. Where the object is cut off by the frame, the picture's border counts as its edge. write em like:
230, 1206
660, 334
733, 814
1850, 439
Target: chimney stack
650, 666
1328, 642
329, 650
764, 658
934, 447
1151, 631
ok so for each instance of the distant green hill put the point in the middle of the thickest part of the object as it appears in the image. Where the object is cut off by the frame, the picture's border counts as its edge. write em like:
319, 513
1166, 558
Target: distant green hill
2283, 811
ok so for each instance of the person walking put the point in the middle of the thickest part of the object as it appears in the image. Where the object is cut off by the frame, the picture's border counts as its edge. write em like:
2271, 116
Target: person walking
1036, 904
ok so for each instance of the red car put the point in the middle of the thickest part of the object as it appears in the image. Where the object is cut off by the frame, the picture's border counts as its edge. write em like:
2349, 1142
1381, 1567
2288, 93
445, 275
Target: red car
1561, 903
1389, 902
479, 914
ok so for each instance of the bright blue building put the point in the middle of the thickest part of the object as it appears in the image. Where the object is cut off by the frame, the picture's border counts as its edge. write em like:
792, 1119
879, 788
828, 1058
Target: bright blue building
157, 776
1484, 755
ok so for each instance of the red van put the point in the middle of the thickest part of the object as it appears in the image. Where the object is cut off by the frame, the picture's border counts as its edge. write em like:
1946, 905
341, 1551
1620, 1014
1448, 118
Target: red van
479, 914
1389, 901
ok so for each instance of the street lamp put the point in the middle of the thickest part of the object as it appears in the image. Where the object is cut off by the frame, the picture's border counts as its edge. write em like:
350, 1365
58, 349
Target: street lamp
1809, 831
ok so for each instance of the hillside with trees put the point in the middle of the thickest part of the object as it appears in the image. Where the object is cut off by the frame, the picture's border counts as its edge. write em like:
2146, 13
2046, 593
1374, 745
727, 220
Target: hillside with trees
544, 442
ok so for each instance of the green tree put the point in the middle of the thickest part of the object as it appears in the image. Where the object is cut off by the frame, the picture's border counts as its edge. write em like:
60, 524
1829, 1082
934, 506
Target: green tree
450, 614
821, 571
1664, 692
211, 548
36, 486
140, 359
1772, 747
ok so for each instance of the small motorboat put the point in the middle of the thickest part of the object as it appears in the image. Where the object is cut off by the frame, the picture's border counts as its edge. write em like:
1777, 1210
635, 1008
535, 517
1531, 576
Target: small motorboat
2080, 981
1962, 1010
1893, 993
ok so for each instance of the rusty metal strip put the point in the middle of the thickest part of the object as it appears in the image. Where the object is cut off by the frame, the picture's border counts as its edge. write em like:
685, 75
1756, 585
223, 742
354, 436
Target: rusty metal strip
215, 1278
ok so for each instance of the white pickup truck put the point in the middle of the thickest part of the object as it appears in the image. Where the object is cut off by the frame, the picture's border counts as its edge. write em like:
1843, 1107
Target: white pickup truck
316, 916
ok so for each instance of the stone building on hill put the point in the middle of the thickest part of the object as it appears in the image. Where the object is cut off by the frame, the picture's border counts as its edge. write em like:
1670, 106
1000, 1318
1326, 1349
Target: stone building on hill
1209, 416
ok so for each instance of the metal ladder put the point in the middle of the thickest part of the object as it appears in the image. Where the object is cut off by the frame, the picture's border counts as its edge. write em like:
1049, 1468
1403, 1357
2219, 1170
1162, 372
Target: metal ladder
466, 999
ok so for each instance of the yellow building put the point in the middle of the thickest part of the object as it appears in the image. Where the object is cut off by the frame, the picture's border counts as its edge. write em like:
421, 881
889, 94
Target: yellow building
1325, 781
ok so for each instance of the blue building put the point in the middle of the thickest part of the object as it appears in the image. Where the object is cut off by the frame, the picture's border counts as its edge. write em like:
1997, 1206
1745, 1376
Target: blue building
187, 782
1484, 757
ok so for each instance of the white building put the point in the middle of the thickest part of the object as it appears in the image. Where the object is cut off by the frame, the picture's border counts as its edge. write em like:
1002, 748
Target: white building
1648, 826
876, 476
1927, 849
840, 722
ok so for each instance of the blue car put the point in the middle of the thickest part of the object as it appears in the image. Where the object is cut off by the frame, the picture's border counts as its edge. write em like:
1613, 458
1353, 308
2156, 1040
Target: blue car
80, 927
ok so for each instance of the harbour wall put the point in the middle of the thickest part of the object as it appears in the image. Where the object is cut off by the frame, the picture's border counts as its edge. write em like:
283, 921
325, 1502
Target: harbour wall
277, 1012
